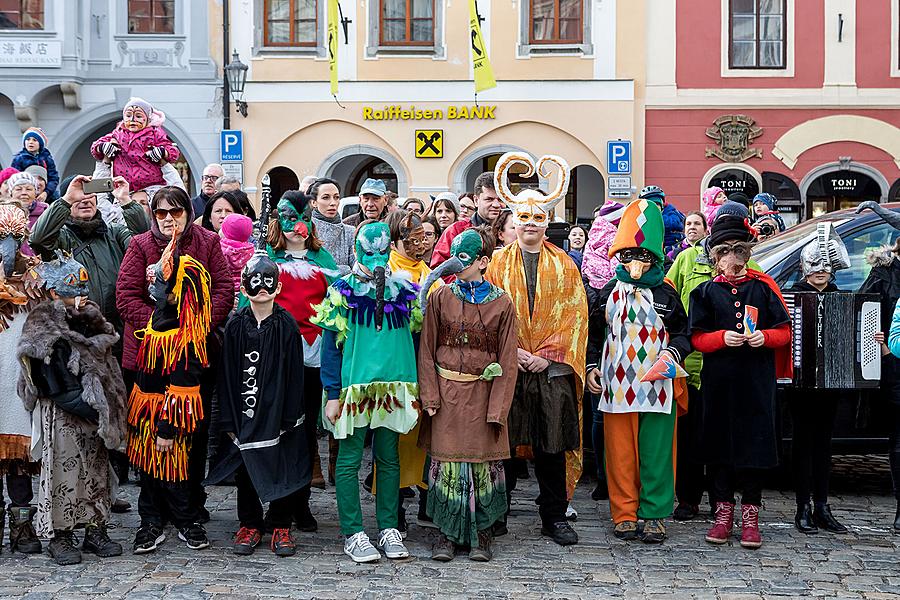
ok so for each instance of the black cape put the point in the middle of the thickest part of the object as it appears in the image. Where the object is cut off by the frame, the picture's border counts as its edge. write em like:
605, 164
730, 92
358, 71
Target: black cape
738, 383
262, 371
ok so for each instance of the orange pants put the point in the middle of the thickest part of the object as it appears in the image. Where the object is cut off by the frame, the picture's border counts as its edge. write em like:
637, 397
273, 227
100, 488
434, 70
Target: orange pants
640, 471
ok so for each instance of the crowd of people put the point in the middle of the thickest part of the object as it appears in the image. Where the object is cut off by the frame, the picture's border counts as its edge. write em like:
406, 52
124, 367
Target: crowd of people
190, 342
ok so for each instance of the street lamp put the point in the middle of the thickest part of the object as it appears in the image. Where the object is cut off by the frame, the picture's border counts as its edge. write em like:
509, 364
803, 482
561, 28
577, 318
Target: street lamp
236, 72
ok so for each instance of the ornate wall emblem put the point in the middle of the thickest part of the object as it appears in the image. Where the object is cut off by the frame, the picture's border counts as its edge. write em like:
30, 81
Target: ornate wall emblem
734, 133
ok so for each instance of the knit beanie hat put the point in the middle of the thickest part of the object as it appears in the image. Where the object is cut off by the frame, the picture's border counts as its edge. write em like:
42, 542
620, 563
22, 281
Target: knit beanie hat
38, 134
612, 211
740, 198
769, 200
641, 227
20, 179
37, 171
7, 173
730, 225
155, 118
237, 227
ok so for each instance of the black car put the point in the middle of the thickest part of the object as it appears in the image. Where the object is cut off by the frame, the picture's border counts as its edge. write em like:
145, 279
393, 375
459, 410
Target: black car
862, 422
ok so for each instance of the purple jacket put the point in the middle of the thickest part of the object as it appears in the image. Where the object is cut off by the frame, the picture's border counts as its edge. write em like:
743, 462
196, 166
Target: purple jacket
130, 162
133, 299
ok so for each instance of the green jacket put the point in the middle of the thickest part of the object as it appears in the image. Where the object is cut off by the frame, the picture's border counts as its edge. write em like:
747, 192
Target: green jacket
100, 252
690, 269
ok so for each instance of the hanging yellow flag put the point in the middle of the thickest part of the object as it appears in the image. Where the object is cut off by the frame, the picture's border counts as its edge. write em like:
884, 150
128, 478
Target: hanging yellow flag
333, 45
481, 64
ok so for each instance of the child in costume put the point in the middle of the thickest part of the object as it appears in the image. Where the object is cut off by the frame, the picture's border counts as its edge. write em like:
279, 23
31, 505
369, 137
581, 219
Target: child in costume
235, 233
137, 146
263, 413
165, 407
739, 438
35, 152
73, 383
467, 375
407, 251
368, 316
551, 310
644, 322
710, 202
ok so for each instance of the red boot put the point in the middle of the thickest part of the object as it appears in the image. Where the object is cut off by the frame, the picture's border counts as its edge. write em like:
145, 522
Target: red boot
721, 529
750, 537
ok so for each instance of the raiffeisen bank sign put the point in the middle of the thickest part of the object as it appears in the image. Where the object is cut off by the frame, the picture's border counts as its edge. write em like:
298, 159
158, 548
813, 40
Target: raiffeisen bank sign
397, 112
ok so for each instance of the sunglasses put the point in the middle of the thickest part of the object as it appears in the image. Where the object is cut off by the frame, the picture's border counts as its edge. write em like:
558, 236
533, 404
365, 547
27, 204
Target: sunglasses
161, 213
631, 254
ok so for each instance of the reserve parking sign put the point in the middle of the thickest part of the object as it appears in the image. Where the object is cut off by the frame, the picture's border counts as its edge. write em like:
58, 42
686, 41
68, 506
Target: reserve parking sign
429, 143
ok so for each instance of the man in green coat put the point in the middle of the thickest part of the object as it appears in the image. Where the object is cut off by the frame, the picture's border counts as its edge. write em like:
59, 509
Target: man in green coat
74, 224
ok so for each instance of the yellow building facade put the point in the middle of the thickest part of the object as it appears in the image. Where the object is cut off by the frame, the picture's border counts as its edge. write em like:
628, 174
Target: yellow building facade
569, 78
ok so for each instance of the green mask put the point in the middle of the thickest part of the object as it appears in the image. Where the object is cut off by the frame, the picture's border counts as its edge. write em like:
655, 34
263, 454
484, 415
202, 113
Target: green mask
288, 218
466, 247
373, 246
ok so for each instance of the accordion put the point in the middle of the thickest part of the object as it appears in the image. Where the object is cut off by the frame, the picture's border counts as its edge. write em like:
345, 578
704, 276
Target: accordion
833, 339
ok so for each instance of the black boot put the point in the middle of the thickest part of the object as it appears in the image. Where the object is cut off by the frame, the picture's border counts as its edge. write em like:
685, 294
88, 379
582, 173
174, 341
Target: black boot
22, 537
2, 526
96, 541
804, 521
62, 548
823, 518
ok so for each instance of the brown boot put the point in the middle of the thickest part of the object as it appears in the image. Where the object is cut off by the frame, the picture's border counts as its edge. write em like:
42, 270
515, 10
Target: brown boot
483, 552
318, 481
22, 537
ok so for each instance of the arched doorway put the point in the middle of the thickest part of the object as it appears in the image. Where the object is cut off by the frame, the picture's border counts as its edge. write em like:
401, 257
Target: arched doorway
790, 205
282, 179
587, 191
735, 180
840, 189
82, 163
372, 168
352, 165
894, 194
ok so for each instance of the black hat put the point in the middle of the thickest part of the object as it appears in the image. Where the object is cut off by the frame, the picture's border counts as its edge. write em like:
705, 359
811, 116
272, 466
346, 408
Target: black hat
728, 228
740, 198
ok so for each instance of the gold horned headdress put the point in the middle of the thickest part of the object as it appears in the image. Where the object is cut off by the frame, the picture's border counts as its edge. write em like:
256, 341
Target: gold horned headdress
531, 207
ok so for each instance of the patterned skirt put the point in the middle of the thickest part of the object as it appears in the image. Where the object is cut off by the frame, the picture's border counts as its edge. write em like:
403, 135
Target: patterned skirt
464, 498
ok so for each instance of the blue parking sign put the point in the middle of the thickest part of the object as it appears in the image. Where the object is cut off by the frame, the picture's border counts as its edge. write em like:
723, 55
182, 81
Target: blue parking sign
232, 145
618, 157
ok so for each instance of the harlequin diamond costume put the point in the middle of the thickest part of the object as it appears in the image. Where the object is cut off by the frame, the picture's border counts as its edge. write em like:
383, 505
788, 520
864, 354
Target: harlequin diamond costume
72, 382
467, 374
165, 407
19, 294
638, 319
369, 376
551, 309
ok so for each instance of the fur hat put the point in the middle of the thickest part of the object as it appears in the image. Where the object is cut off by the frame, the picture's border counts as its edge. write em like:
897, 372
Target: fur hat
38, 134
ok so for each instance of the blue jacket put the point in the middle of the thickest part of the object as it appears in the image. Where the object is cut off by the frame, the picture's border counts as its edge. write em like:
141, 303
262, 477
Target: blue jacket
893, 340
674, 224
25, 159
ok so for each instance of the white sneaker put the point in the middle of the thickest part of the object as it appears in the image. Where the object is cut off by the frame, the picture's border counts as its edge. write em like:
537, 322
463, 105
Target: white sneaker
571, 514
391, 544
360, 549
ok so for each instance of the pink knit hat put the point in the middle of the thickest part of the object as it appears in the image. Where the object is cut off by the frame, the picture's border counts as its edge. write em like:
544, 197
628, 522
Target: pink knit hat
237, 227
7, 173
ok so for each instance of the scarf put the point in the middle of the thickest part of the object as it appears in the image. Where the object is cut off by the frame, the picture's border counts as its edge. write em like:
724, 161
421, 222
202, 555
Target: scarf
652, 278
335, 220
88, 228
417, 269
557, 329
473, 292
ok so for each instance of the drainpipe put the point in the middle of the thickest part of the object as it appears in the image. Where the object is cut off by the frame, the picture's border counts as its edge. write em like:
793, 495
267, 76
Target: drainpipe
226, 44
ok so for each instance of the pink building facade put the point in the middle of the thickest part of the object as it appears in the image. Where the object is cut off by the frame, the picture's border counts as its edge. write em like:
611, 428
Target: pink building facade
799, 98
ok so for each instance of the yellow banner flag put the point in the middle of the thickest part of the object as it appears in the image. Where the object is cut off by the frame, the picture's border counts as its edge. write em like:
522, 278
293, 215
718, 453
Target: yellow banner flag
333, 45
481, 64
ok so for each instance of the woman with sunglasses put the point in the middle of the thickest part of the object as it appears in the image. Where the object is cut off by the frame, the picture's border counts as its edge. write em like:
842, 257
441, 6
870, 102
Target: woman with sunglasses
741, 325
173, 215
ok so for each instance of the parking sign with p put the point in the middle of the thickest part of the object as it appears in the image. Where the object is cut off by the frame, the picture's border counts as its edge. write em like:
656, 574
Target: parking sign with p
618, 157
232, 145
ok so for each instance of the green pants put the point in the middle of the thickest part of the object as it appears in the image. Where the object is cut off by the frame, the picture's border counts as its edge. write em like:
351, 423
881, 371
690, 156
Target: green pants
640, 472
387, 479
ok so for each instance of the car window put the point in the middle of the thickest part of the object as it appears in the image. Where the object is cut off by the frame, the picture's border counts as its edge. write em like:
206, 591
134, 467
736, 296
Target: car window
859, 242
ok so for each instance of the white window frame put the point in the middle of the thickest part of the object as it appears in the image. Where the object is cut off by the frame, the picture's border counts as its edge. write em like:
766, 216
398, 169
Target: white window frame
177, 33
895, 38
374, 49
525, 48
787, 71
317, 51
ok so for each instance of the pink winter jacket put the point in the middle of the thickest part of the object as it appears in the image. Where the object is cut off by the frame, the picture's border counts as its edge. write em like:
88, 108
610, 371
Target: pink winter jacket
130, 162
36, 210
596, 265
236, 255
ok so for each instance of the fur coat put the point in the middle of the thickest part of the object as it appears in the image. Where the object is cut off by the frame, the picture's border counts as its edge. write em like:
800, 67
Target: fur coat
91, 361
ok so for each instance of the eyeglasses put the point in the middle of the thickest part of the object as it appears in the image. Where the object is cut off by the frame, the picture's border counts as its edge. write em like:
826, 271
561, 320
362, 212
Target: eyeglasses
161, 213
209, 177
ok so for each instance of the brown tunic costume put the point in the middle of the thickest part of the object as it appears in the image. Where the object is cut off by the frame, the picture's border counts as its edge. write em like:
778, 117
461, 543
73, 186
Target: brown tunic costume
464, 338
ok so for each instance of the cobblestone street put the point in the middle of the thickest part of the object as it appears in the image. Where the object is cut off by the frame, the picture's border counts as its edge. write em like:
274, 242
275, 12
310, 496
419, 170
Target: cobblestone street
863, 564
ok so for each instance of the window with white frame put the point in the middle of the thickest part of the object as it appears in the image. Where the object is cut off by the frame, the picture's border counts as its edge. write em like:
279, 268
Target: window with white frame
290, 22
22, 14
405, 27
757, 34
151, 16
548, 26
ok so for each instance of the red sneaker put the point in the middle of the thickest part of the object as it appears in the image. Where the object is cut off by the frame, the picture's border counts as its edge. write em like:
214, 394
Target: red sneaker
721, 529
750, 537
283, 543
246, 540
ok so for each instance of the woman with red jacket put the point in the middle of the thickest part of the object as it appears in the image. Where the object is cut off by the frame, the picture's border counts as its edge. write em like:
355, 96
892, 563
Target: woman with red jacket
173, 212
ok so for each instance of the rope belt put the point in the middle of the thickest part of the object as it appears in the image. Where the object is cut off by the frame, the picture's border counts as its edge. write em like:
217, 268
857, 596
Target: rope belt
490, 371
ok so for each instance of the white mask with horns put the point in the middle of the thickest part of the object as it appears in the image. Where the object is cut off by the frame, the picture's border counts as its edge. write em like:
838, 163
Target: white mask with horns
529, 206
